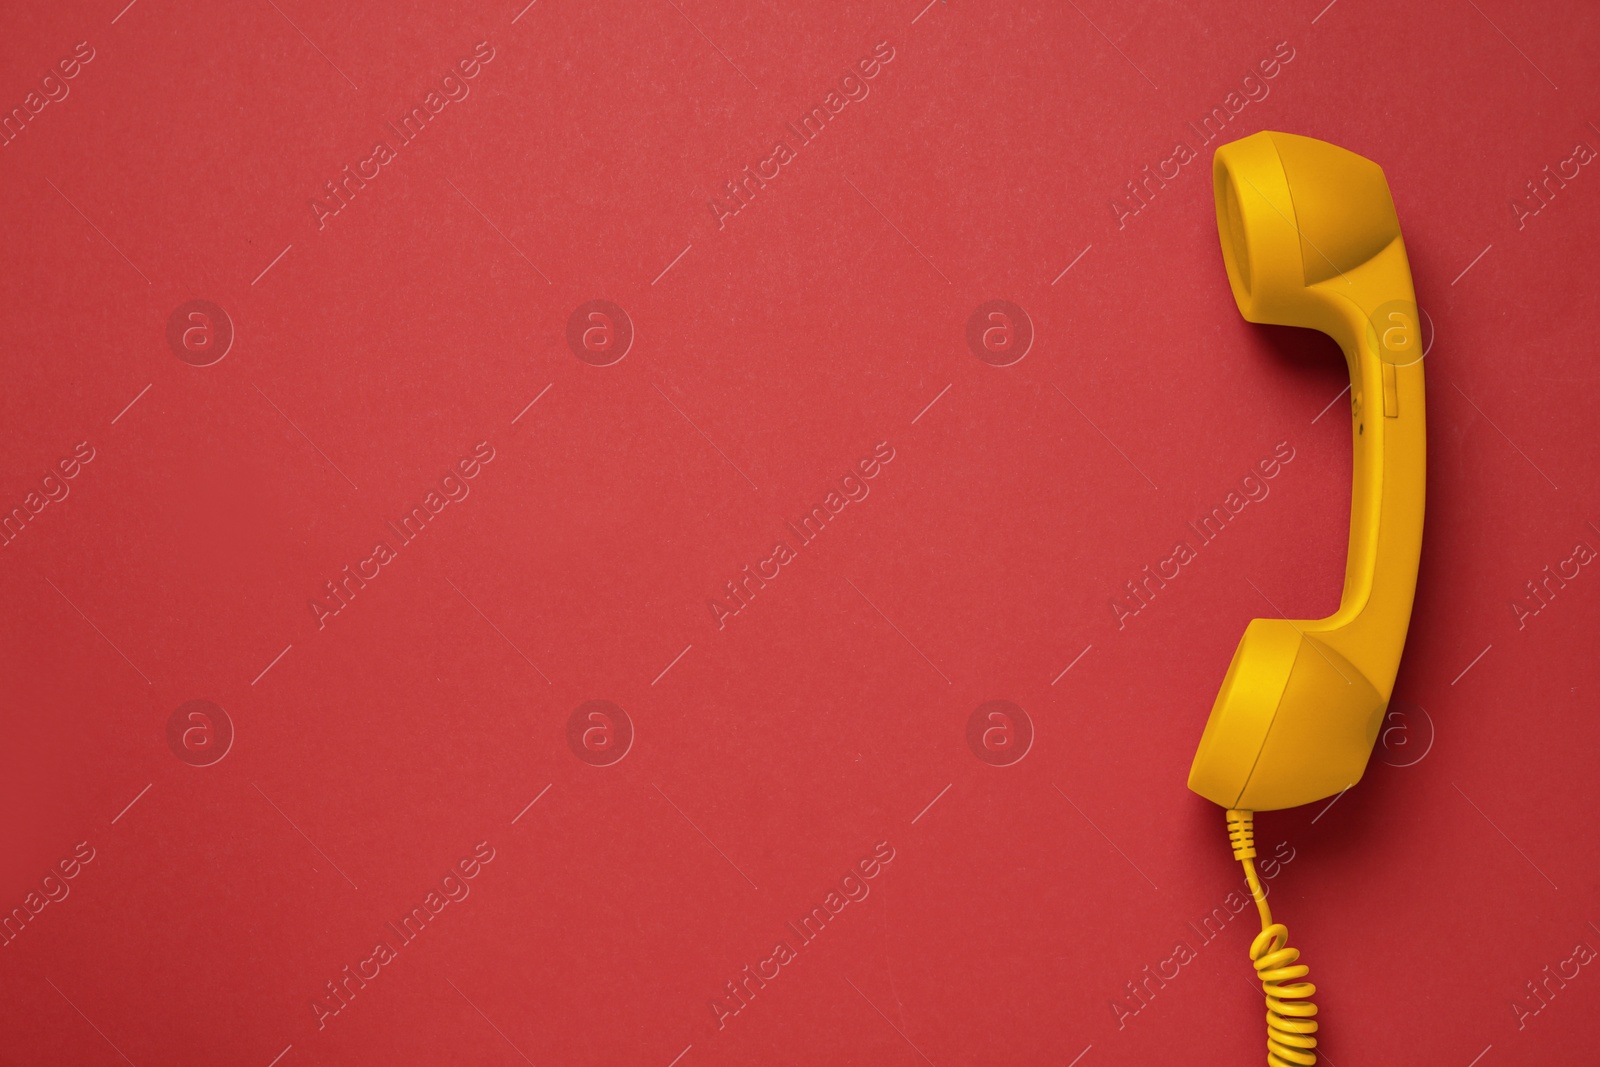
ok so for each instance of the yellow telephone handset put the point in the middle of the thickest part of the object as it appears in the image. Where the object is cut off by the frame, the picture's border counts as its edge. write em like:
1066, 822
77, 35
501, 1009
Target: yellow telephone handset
1310, 238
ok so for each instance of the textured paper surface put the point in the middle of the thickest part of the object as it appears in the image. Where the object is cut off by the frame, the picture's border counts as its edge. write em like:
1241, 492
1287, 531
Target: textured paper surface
539, 350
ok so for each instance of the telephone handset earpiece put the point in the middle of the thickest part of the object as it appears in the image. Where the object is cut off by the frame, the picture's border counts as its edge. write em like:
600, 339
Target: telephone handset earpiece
1310, 238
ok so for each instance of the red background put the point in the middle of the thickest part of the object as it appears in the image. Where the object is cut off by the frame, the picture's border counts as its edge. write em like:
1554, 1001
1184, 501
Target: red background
773, 353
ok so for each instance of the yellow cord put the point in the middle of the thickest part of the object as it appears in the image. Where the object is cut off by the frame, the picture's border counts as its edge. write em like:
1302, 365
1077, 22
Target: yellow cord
1291, 1018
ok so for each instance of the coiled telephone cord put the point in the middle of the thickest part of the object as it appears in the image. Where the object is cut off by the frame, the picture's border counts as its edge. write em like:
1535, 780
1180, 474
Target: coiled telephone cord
1291, 1017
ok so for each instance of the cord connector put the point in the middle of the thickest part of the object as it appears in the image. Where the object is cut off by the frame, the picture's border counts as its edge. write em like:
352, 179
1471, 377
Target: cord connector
1241, 832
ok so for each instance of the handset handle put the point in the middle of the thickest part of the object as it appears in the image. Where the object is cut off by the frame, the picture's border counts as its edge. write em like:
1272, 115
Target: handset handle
1374, 318
1310, 238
